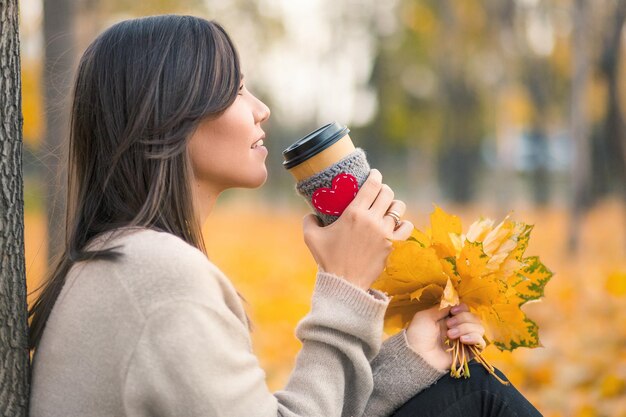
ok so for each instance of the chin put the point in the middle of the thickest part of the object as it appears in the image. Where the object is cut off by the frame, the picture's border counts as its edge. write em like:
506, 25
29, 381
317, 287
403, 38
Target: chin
261, 181
256, 181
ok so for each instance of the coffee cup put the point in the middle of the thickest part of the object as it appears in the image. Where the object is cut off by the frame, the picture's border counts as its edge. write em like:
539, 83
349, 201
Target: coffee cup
328, 169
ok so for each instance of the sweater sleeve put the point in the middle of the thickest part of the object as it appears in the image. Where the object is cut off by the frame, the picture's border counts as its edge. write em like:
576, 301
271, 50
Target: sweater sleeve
196, 360
399, 373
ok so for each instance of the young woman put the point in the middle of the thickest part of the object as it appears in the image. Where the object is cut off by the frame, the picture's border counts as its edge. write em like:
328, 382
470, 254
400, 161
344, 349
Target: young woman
136, 321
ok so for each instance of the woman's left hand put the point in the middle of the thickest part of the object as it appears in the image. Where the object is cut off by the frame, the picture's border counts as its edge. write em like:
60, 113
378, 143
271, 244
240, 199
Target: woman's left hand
430, 328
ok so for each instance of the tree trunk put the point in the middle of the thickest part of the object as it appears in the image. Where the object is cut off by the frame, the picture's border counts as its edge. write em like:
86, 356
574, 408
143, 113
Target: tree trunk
613, 123
14, 356
536, 78
614, 129
58, 73
459, 160
579, 125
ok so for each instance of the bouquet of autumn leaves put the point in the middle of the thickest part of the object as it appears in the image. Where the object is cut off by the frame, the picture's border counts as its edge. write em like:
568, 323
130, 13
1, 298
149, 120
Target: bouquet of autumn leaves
484, 268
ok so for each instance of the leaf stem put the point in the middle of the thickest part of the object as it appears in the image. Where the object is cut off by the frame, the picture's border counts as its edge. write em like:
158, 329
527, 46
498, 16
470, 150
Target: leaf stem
460, 355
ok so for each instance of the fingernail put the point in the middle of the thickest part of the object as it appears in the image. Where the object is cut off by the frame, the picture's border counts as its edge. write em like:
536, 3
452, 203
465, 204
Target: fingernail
455, 309
451, 322
465, 338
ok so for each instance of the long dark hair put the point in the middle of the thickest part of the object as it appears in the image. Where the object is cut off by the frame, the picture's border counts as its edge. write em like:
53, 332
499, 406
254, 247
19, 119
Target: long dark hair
141, 89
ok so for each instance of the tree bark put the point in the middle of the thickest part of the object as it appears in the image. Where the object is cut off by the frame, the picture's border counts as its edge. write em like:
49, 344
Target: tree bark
14, 355
58, 74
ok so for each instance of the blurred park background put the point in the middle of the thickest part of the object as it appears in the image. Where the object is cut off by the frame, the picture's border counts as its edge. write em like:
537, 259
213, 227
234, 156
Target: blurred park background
483, 107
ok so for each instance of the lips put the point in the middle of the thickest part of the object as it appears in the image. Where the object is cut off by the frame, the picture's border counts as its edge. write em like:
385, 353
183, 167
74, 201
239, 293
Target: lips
258, 142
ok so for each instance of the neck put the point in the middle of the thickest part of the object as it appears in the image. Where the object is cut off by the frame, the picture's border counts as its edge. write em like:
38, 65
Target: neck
203, 201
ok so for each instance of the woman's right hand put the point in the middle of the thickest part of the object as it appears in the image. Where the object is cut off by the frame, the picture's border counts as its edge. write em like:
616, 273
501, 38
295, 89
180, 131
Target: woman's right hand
357, 244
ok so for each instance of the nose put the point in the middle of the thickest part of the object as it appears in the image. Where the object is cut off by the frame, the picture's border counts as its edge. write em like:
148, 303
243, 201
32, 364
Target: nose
262, 112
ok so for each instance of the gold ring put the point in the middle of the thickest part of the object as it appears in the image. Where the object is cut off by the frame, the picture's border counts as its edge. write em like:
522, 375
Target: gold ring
395, 216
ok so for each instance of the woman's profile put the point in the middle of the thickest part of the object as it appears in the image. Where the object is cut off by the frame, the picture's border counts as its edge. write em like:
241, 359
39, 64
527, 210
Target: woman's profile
135, 320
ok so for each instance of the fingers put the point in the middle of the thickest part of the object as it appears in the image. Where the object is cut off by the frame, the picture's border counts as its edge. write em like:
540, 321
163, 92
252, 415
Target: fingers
438, 314
369, 191
459, 308
464, 317
477, 339
403, 231
383, 201
466, 326
397, 206
474, 339
310, 222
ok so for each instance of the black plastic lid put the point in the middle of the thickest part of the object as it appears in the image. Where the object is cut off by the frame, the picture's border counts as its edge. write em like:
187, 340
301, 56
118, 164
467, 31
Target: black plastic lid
313, 143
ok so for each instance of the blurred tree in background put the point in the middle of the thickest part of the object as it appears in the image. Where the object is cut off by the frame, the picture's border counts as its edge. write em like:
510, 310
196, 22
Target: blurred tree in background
478, 99
609, 154
456, 78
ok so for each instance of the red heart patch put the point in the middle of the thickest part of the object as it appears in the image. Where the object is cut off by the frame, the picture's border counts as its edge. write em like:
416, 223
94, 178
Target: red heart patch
334, 201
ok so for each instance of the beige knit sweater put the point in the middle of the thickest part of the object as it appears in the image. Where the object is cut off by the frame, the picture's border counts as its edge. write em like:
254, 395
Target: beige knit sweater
163, 333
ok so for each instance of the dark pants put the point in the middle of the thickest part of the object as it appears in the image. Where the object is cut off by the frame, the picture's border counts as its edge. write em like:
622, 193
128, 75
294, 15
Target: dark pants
479, 395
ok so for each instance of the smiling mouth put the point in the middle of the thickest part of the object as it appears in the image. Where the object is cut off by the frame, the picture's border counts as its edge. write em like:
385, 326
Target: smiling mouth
257, 143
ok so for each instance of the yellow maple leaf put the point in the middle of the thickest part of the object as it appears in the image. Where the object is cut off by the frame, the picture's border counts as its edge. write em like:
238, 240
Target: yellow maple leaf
420, 237
396, 319
479, 230
522, 242
479, 291
502, 241
450, 297
483, 269
507, 327
472, 261
409, 268
506, 256
531, 279
442, 226
429, 294
497, 236
449, 267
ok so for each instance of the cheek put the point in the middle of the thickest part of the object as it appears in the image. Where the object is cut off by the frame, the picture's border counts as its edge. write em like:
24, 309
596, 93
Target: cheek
207, 159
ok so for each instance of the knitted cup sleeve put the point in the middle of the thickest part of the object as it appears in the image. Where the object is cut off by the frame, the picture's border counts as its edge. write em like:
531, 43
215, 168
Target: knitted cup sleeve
355, 164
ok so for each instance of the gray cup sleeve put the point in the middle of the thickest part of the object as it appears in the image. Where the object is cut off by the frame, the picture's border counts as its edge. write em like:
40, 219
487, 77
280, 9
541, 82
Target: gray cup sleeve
355, 163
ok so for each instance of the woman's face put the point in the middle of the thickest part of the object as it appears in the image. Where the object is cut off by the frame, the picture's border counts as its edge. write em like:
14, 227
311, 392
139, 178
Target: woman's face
228, 151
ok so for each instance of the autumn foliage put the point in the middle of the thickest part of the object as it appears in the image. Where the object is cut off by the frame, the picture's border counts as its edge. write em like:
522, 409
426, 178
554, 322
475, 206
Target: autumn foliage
485, 269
